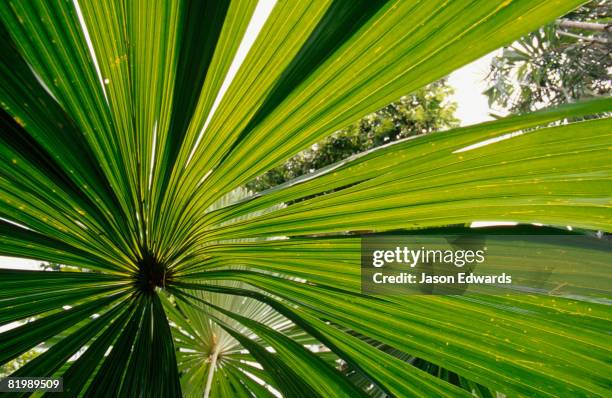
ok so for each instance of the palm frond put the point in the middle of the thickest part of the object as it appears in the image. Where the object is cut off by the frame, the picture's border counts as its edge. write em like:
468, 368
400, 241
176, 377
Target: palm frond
127, 130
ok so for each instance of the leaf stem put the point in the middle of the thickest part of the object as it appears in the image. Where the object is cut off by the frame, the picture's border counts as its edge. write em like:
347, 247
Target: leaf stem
211, 369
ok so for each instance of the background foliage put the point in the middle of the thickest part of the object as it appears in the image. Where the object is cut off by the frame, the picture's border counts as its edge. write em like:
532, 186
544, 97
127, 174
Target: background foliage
556, 64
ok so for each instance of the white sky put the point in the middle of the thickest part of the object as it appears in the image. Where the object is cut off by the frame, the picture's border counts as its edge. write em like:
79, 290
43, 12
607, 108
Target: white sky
467, 81
469, 84
18, 263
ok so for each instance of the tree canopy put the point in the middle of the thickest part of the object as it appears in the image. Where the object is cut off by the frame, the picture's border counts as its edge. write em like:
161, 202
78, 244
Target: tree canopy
561, 62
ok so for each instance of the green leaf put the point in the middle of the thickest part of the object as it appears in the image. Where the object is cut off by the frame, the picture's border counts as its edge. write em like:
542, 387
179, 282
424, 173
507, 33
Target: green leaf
124, 141
507, 180
314, 371
22, 338
354, 351
431, 329
75, 378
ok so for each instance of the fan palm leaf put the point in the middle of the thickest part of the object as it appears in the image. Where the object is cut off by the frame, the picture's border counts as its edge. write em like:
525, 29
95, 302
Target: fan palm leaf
126, 125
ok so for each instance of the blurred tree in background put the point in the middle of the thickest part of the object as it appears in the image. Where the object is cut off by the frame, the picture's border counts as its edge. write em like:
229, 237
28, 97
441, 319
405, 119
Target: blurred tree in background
425, 111
558, 63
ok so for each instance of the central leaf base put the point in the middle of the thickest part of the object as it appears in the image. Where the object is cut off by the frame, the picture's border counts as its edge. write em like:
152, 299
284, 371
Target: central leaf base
151, 274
